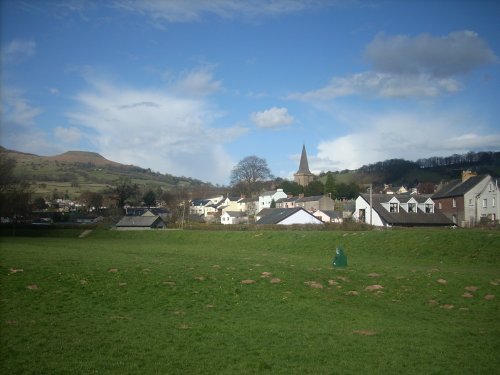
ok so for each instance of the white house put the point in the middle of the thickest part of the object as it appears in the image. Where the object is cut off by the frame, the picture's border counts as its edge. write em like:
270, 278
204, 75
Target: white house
268, 196
398, 210
288, 216
329, 216
233, 217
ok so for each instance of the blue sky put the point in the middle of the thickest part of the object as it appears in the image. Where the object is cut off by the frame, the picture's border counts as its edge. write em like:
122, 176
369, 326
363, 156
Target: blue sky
192, 87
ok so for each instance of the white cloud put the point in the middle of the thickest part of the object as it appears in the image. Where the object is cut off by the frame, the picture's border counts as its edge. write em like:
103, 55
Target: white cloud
381, 85
154, 129
444, 56
197, 83
408, 135
70, 135
272, 118
185, 11
17, 50
405, 67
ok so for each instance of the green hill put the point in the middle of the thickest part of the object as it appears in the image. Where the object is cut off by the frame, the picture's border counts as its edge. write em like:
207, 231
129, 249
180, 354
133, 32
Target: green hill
75, 171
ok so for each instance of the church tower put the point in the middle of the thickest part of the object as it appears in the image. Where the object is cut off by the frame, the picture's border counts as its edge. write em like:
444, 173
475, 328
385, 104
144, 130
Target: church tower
303, 176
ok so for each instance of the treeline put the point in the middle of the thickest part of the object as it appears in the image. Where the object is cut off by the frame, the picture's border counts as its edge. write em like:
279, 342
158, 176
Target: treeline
470, 158
397, 167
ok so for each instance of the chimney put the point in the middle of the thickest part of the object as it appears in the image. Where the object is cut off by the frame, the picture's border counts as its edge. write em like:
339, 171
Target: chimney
467, 174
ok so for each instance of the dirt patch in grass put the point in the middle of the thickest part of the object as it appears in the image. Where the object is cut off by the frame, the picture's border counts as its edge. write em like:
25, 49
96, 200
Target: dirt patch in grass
314, 284
352, 293
489, 297
372, 288
113, 270
374, 274
85, 233
467, 295
265, 274
248, 281
33, 287
200, 278
275, 280
15, 270
495, 282
433, 302
447, 306
170, 283
332, 282
471, 288
442, 281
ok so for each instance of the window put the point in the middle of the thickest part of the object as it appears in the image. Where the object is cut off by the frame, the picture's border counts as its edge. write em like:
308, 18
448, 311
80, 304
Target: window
470, 202
485, 203
394, 207
493, 202
429, 208
454, 203
412, 207
440, 205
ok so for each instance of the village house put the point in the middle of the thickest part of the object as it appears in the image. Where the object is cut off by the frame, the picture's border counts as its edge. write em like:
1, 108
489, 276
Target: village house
266, 198
318, 202
288, 202
233, 217
286, 216
468, 201
329, 216
398, 210
140, 223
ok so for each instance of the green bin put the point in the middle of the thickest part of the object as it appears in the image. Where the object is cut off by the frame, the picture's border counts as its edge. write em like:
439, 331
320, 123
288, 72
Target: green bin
340, 259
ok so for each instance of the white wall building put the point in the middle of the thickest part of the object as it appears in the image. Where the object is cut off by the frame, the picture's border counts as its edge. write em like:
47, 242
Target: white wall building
268, 196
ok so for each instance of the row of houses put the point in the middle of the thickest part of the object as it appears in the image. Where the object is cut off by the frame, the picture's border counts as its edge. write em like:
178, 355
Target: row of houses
465, 202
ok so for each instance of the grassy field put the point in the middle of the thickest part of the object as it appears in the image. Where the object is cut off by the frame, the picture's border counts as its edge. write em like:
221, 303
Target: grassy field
172, 302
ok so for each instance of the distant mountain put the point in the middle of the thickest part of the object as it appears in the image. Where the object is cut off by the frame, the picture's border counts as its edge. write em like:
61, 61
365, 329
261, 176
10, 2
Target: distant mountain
75, 171
84, 157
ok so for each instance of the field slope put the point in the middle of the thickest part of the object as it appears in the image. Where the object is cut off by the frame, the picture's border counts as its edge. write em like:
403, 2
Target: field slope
250, 302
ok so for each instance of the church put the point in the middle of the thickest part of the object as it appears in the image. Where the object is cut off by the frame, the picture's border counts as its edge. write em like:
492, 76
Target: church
303, 176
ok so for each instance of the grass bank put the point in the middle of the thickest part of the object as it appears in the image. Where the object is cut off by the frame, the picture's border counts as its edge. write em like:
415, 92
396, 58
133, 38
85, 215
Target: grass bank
251, 302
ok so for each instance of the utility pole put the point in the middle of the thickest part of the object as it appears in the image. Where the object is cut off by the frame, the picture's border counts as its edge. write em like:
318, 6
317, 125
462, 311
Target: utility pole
371, 204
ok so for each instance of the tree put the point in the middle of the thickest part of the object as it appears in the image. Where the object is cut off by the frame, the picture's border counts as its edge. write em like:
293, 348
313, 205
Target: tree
15, 195
315, 187
291, 187
123, 191
39, 204
249, 171
91, 200
330, 187
149, 198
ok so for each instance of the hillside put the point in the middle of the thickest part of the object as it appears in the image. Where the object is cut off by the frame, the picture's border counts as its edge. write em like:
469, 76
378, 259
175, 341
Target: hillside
409, 173
75, 171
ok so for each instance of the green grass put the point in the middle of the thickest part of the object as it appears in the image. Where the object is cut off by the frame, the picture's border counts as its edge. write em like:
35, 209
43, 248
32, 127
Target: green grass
171, 302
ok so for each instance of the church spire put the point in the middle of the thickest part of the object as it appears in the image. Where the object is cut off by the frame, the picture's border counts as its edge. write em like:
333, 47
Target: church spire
304, 165
303, 176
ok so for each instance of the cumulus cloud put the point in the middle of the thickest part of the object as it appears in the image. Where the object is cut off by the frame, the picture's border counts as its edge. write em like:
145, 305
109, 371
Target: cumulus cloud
406, 67
70, 135
17, 50
440, 56
408, 135
272, 118
381, 85
185, 11
153, 128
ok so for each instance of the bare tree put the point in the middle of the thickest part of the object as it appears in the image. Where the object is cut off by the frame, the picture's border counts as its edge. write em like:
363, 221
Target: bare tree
249, 171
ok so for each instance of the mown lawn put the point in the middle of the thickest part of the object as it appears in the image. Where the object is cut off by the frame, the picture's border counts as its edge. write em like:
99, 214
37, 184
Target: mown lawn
173, 302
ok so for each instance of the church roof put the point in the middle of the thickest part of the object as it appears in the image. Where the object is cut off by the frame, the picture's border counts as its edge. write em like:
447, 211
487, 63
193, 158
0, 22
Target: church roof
304, 165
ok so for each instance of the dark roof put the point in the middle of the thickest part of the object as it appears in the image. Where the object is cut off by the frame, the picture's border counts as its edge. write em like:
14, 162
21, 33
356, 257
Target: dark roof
138, 221
291, 199
199, 202
277, 215
402, 217
139, 211
310, 199
304, 165
332, 214
458, 188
